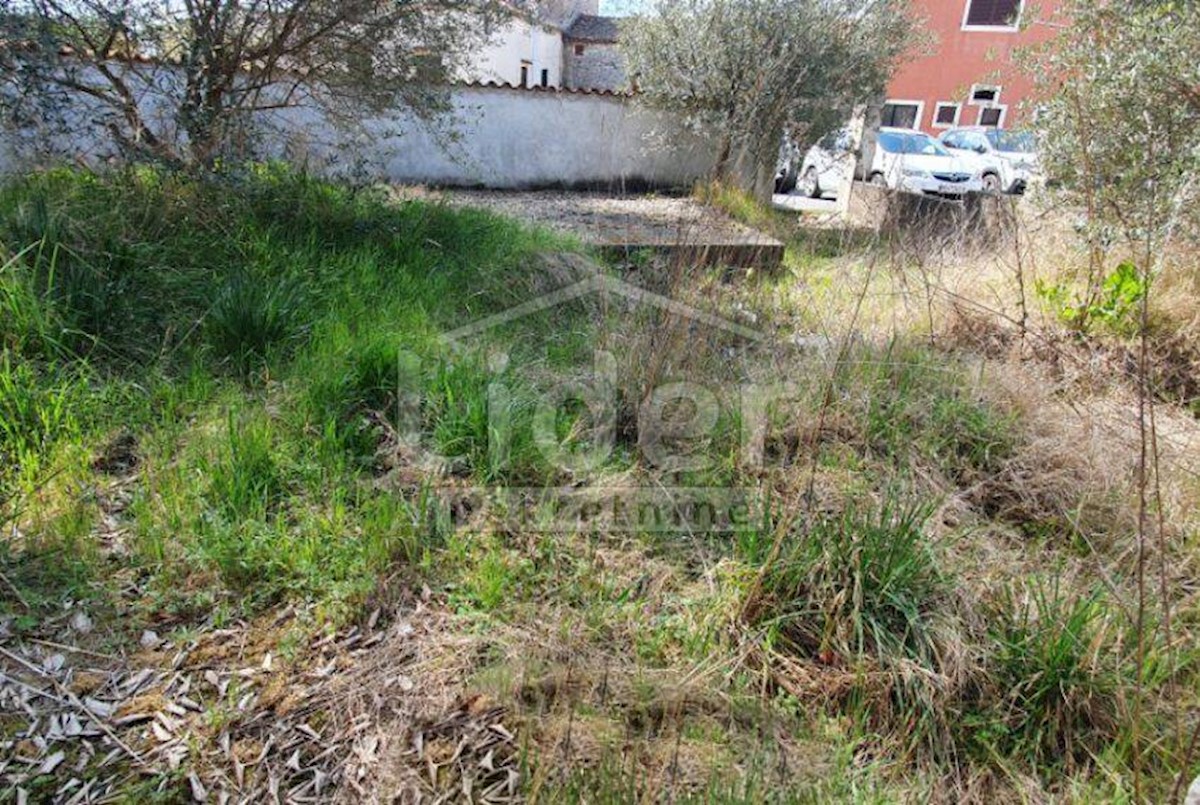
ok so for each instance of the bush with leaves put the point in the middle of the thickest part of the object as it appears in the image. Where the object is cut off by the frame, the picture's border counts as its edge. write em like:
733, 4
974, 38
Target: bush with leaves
190, 83
1119, 117
753, 69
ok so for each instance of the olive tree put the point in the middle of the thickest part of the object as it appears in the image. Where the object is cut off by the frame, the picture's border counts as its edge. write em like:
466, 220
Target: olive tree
1119, 116
755, 69
188, 81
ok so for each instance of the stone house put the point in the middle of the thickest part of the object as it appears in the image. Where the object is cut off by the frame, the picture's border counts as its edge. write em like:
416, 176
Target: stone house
553, 44
591, 58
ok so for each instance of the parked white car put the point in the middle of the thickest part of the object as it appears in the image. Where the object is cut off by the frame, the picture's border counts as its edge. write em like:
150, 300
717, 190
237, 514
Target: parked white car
1010, 163
828, 166
912, 161
786, 166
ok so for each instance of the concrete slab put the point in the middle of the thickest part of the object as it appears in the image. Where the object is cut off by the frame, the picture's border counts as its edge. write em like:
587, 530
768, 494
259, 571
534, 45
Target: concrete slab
621, 226
793, 203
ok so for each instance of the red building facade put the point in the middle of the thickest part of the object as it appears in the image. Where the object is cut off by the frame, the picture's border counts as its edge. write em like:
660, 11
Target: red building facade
970, 73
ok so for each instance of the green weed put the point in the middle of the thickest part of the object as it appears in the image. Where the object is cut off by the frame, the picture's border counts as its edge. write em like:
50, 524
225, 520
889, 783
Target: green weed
1115, 304
1058, 671
254, 319
862, 584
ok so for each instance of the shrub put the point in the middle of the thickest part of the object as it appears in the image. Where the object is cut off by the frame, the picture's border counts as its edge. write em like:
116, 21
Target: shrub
1115, 304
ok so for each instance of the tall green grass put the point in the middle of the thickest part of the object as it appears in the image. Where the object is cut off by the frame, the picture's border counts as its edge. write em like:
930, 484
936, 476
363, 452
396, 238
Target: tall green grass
863, 583
1060, 682
248, 329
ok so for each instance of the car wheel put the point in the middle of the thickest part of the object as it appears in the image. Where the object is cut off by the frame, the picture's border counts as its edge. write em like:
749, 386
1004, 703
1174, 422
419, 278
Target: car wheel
991, 183
878, 180
808, 185
786, 182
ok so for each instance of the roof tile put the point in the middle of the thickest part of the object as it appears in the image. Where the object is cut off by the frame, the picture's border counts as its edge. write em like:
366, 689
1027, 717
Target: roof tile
591, 28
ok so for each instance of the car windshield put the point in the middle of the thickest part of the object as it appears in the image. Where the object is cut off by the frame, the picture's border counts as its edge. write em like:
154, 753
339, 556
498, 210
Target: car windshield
1011, 141
898, 143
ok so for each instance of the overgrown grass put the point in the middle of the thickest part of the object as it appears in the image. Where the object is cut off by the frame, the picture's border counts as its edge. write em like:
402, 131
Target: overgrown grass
294, 300
862, 584
920, 409
871, 618
255, 355
743, 207
1059, 677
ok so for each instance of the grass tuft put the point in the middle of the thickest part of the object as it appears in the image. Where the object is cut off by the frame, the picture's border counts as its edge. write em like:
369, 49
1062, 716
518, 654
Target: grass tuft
864, 583
1057, 676
254, 319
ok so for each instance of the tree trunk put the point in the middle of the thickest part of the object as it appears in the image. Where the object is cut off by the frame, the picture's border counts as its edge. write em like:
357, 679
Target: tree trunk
721, 168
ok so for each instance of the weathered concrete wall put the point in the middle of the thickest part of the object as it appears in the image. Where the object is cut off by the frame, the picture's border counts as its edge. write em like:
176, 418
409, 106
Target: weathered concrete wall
599, 66
518, 139
504, 138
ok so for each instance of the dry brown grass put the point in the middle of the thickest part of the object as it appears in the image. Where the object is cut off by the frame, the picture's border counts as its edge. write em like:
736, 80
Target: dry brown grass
568, 677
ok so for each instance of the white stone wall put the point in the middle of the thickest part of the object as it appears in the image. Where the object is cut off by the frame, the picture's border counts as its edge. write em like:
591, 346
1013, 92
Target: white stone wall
520, 139
600, 66
504, 138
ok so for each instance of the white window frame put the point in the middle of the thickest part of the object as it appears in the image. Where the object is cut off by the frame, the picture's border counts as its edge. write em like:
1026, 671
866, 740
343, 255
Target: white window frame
909, 102
937, 107
996, 88
1003, 114
994, 28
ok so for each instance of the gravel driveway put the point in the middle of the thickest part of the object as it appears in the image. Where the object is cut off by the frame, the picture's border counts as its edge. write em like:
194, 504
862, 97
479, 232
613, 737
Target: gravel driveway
606, 220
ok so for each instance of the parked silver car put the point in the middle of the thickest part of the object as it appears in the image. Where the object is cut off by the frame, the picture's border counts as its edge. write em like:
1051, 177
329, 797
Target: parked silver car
913, 162
1009, 159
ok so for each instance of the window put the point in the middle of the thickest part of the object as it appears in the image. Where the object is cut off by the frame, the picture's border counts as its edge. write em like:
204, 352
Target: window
966, 141
524, 75
992, 116
992, 14
1012, 142
545, 78
579, 50
901, 114
892, 143
945, 115
985, 94
974, 141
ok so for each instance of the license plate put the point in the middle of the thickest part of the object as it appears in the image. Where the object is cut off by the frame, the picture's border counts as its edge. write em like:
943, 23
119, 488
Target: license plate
949, 188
